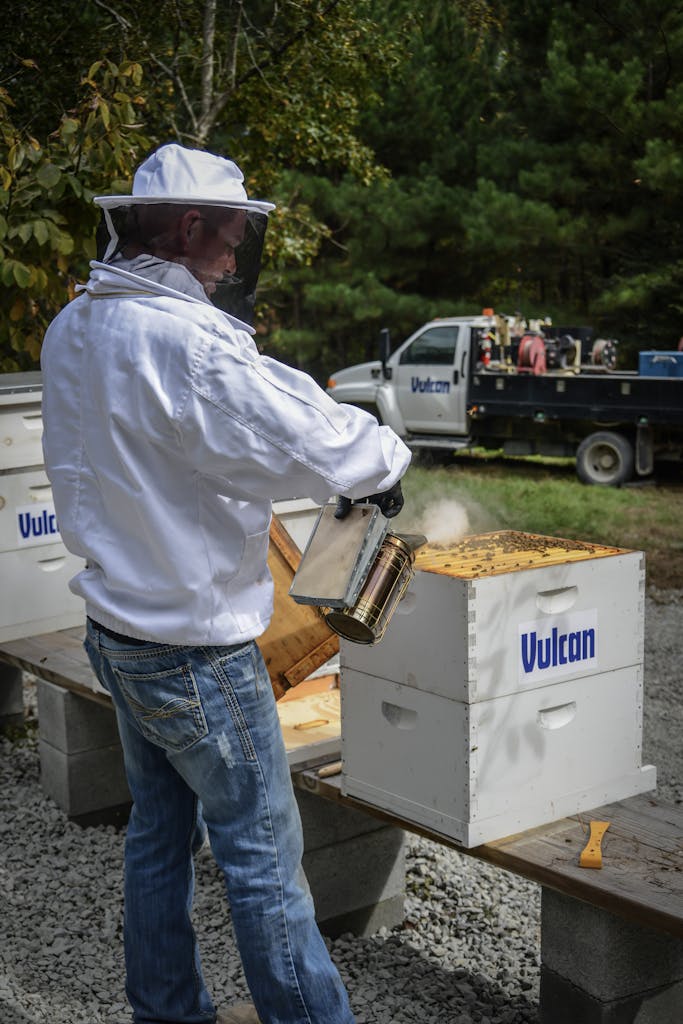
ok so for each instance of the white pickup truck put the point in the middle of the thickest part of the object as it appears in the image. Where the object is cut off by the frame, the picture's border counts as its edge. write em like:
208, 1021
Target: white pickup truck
461, 382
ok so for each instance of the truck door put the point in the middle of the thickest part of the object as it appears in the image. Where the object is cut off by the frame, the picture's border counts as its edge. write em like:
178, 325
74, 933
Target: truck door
431, 380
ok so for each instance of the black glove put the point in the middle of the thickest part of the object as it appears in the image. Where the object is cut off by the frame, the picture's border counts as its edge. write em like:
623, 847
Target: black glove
390, 502
343, 507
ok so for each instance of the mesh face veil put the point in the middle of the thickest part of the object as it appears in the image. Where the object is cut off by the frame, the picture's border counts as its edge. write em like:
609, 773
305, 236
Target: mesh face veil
236, 293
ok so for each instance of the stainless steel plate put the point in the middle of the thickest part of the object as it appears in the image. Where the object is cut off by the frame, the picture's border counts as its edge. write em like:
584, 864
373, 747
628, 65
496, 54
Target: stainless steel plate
338, 556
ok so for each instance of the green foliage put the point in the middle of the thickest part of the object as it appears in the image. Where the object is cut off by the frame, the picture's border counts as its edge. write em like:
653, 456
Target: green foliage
591, 128
535, 158
281, 85
372, 269
426, 158
47, 219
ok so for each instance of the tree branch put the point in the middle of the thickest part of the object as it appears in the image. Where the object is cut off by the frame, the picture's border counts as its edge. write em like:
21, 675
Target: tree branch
257, 68
235, 40
123, 22
208, 44
177, 80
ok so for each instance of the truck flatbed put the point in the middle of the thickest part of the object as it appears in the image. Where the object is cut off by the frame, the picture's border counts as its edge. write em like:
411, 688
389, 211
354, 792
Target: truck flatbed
597, 397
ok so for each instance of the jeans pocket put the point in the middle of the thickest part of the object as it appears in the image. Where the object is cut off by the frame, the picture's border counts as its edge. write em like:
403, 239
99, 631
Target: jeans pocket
165, 705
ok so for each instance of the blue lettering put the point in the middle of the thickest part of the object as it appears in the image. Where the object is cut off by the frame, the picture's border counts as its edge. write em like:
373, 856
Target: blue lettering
574, 647
545, 659
556, 649
430, 386
528, 651
40, 525
563, 644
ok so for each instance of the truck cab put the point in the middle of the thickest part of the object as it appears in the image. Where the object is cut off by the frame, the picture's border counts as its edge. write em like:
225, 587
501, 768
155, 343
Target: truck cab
421, 388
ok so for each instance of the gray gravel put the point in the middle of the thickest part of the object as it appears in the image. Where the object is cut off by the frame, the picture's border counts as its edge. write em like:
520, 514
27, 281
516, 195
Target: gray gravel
468, 950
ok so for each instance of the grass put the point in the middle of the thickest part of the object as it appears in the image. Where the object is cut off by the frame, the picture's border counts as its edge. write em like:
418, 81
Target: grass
476, 496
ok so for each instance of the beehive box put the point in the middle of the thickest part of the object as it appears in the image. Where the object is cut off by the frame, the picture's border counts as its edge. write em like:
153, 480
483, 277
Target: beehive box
35, 567
507, 691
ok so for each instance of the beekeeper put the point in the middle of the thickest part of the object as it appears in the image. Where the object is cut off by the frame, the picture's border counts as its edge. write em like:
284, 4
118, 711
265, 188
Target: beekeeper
167, 436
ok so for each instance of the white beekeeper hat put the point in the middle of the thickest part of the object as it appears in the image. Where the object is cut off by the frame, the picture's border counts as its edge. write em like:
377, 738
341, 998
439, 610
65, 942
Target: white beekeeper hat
173, 174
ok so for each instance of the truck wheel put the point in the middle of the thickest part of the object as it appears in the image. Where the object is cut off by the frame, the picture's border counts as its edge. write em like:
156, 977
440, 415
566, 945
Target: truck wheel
604, 458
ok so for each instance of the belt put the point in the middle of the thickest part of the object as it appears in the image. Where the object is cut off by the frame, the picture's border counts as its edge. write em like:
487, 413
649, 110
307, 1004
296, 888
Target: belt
119, 637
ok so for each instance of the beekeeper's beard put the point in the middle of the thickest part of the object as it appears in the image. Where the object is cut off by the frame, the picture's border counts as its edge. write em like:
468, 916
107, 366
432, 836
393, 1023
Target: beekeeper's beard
236, 293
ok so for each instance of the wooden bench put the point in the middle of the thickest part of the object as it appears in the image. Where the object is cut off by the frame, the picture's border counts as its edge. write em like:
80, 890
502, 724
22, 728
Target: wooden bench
611, 939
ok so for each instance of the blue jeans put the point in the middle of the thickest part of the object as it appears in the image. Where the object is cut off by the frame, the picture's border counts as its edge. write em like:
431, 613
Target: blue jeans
199, 729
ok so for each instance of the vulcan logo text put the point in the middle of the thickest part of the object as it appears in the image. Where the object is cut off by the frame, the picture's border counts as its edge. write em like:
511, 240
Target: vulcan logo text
560, 645
441, 387
36, 524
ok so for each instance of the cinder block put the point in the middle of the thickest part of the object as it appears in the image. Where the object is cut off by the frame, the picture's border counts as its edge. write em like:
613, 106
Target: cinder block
355, 866
605, 956
11, 695
325, 823
356, 873
71, 723
562, 1002
90, 780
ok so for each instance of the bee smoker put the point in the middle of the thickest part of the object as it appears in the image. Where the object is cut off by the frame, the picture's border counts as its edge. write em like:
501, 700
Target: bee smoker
355, 571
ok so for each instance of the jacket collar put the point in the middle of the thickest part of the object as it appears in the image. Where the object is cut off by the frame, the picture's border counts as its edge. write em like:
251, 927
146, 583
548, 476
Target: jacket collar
112, 281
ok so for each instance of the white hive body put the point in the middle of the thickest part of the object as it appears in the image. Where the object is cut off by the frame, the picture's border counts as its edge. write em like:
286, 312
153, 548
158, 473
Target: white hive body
507, 691
35, 567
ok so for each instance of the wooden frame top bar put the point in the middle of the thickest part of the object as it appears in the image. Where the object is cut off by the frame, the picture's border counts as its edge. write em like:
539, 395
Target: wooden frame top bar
503, 551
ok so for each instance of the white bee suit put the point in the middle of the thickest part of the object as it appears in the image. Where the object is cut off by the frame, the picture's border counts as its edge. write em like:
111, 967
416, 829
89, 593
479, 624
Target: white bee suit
166, 440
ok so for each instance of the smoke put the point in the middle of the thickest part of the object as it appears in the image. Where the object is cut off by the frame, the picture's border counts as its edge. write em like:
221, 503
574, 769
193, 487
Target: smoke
443, 522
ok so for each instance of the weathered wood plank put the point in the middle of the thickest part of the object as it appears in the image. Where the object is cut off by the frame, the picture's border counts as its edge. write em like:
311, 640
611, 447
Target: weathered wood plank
37, 648
62, 672
44, 647
642, 874
641, 883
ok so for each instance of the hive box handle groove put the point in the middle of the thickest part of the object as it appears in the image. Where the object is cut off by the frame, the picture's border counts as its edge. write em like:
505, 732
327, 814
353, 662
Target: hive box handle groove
556, 718
401, 718
553, 601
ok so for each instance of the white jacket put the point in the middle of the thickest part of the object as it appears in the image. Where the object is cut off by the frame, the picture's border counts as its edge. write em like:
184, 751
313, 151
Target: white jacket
166, 436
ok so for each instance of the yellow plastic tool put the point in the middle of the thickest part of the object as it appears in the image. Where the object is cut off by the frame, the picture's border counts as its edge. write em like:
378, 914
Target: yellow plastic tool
591, 855
315, 723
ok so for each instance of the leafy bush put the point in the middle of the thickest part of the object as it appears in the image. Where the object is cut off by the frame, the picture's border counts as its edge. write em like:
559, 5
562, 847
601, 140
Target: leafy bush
47, 218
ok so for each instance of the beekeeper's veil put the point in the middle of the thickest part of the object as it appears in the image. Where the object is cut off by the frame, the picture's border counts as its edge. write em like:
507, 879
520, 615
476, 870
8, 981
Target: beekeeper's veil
174, 174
